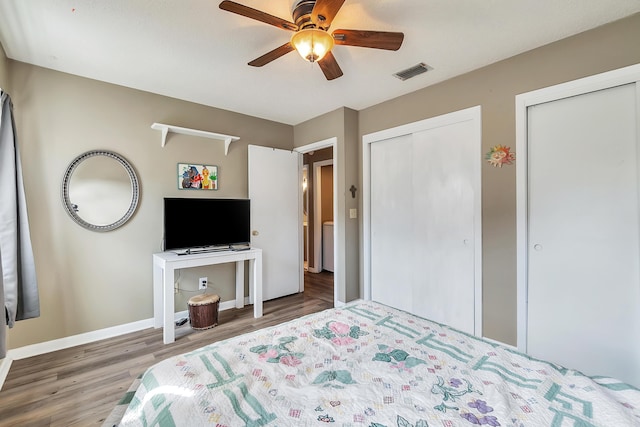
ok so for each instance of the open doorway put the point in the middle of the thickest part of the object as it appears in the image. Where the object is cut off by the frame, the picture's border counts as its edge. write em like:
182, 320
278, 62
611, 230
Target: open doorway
320, 213
319, 207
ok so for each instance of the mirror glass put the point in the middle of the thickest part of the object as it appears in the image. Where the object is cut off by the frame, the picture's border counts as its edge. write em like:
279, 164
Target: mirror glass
100, 190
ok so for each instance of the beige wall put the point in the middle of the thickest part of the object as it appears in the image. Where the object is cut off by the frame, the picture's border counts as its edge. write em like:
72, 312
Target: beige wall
494, 88
88, 280
4, 70
343, 125
326, 179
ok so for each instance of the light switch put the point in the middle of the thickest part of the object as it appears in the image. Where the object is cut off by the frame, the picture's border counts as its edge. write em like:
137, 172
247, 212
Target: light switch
353, 213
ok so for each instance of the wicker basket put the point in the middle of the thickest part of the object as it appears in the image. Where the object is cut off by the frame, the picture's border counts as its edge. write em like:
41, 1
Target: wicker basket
203, 311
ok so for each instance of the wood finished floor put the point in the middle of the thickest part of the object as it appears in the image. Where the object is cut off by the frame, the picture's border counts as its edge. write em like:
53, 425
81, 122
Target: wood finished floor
80, 386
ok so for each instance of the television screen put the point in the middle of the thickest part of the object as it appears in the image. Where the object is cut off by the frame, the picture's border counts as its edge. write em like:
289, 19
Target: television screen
196, 223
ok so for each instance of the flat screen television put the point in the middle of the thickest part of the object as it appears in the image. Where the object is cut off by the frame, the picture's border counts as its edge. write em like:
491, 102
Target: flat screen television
200, 223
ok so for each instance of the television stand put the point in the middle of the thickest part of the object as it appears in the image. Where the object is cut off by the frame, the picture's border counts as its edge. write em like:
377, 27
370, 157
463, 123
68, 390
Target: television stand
165, 264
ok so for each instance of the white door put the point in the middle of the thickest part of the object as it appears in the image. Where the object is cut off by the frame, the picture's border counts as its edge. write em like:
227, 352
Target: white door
276, 212
425, 220
391, 224
583, 244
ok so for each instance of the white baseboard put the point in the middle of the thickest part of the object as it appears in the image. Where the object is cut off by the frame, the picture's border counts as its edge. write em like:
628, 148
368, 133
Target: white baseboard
5, 364
86, 338
503, 344
80, 339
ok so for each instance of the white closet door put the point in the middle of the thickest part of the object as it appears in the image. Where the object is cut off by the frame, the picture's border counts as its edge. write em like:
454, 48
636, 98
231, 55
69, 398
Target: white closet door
443, 230
584, 258
424, 221
392, 223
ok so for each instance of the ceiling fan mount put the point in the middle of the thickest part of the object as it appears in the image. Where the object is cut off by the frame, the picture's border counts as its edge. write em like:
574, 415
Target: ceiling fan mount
311, 22
302, 14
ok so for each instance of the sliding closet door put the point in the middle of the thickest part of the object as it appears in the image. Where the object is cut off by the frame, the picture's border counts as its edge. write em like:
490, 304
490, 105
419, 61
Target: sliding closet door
425, 221
445, 168
583, 233
392, 253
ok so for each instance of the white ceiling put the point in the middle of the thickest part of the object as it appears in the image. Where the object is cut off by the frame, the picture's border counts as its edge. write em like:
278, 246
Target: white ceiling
192, 50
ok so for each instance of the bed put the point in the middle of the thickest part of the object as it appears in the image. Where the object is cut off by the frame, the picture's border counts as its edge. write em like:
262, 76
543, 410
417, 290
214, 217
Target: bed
367, 364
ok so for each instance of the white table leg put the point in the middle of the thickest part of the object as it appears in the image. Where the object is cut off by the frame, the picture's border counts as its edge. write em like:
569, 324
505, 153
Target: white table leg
255, 269
239, 284
168, 311
157, 295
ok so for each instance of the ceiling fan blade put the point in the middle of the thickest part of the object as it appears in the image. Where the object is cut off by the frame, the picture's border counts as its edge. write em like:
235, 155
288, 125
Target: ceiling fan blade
273, 55
330, 67
324, 11
374, 39
258, 15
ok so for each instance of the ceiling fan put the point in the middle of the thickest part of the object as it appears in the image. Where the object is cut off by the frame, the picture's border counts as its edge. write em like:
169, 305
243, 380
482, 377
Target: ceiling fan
311, 38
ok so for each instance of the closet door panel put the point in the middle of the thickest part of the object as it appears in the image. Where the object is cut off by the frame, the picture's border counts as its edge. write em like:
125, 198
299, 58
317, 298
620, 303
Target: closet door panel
444, 224
392, 249
584, 258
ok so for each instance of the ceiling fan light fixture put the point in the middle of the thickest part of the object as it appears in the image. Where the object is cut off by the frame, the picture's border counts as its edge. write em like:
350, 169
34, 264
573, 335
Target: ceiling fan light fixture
312, 44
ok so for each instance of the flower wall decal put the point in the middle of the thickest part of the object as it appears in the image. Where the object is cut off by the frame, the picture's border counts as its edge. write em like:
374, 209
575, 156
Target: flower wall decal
500, 155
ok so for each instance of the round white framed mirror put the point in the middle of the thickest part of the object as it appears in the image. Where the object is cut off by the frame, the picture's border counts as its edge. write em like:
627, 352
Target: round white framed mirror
100, 190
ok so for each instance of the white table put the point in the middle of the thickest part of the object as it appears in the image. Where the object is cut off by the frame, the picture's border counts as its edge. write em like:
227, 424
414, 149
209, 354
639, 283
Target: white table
165, 263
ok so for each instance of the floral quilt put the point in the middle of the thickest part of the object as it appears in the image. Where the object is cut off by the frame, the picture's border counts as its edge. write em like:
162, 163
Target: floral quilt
369, 365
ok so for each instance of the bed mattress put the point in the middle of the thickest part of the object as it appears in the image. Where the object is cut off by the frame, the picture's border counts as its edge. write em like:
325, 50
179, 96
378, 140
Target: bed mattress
367, 364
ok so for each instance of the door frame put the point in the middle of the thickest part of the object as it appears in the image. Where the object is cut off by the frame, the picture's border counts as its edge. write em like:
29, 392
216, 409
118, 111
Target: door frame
582, 86
305, 201
330, 142
472, 113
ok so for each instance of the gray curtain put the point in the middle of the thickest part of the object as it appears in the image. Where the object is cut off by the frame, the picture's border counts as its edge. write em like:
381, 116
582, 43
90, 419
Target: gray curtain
18, 285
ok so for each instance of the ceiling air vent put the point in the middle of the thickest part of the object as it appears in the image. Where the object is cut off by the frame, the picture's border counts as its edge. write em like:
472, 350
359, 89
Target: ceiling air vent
413, 71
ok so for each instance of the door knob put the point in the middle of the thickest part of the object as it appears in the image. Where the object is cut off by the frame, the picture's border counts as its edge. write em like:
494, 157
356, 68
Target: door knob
255, 232
537, 247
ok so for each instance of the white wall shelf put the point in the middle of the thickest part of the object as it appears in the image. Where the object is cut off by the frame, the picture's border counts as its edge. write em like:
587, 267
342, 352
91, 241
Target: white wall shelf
165, 129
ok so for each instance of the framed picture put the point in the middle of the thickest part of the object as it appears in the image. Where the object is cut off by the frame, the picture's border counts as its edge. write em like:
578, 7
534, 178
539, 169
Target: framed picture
197, 177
